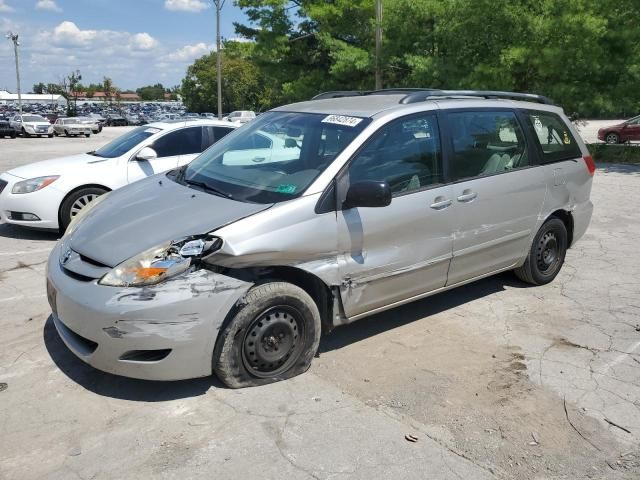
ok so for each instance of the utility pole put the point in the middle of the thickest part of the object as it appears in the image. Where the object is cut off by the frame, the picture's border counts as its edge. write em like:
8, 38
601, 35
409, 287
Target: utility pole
378, 44
14, 38
219, 4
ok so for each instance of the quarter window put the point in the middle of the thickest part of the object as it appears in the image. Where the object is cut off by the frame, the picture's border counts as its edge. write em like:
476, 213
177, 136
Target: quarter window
486, 143
554, 136
406, 154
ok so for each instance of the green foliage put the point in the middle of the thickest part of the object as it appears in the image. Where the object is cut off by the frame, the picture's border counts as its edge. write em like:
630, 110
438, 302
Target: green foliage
585, 54
243, 85
151, 92
604, 153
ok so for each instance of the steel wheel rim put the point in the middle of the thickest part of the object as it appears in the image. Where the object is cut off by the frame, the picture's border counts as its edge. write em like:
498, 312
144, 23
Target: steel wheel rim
273, 342
82, 202
548, 252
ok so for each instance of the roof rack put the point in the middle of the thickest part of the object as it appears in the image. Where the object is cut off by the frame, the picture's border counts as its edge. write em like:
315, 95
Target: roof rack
415, 95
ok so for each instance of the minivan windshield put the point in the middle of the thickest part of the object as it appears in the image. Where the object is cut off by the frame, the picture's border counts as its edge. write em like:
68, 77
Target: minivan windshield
274, 158
126, 142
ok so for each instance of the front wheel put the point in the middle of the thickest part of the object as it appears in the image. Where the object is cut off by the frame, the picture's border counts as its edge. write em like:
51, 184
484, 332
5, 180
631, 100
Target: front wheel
87, 135
25, 134
74, 203
273, 336
50, 135
546, 255
612, 138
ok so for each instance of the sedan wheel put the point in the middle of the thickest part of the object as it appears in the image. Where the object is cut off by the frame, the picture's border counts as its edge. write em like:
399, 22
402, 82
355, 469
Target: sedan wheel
75, 202
612, 138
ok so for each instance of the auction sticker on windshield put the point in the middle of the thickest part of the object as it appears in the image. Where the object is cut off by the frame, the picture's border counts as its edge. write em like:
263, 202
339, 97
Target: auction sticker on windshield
342, 120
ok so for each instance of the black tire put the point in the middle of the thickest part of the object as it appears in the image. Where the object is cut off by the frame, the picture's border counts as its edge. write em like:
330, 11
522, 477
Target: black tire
612, 138
66, 133
87, 135
14, 134
275, 314
546, 255
50, 135
55, 133
24, 133
68, 208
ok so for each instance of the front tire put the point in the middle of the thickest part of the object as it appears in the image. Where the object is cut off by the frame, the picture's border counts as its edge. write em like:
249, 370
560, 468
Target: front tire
75, 202
546, 255
87, 135
612, 138
50, 135
273, 336
24, 133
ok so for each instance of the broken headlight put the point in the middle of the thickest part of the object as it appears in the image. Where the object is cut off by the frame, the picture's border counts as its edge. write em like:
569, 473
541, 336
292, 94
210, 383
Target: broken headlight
161, 263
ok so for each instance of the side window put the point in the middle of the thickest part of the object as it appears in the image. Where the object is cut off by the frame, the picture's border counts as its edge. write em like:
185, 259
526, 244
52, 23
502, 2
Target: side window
486, 143
406, 153
180, 142
554, 136
253, 142
213, 134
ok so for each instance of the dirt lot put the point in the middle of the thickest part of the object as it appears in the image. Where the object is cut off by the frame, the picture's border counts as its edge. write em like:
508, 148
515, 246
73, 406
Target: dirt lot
496, 379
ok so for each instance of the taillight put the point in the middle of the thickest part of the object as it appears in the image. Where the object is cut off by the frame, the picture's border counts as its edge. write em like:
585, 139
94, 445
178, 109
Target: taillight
591, 165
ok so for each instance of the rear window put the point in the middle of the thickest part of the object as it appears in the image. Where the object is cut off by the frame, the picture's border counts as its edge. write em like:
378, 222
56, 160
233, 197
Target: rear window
555, 138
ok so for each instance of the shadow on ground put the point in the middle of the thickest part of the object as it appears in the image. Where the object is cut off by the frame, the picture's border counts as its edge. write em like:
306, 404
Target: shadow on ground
124, 388
11, 231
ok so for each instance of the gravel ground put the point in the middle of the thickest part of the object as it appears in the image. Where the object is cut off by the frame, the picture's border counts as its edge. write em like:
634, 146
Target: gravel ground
496, 379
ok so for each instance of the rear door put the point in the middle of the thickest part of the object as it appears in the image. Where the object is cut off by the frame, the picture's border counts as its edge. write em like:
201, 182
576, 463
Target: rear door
397, 252
497, 192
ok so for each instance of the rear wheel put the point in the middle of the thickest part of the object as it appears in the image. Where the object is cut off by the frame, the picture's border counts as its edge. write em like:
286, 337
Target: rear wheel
74, 203
547, 254
87, 135
14, 134
55, 133
66, 133
50, 135
612, 138
272, 337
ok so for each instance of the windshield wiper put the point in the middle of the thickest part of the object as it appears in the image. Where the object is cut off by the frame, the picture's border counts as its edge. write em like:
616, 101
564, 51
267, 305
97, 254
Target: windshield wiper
208, 188
94, 153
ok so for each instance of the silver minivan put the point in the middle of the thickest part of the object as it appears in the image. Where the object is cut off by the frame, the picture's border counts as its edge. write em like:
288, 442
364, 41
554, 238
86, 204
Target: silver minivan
312, 216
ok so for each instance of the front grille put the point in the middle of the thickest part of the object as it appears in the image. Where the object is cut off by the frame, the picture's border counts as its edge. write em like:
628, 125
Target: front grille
3, 184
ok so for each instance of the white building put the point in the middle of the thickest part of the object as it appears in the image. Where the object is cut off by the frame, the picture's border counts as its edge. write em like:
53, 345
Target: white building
6, 98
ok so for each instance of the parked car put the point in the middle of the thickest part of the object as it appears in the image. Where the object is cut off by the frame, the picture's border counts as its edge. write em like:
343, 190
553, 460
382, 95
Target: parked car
49, 194
622, 132
52, 117
6, 130
99, 118
237, 269
209, 115
243, 116
93, 123
28, 125
71, 127
114, 120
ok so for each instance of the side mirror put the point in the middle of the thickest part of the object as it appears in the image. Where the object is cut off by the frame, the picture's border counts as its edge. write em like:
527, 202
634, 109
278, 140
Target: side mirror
147, 153
367, 194
290, 143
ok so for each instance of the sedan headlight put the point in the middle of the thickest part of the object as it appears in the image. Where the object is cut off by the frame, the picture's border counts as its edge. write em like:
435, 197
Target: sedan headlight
33, 184
161, 263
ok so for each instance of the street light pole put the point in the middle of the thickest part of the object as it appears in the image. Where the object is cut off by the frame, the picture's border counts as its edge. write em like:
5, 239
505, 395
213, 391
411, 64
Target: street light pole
14, 38
378, 44
219, 4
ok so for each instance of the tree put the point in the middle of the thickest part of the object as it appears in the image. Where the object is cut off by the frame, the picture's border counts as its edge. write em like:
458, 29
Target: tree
108, 88
39, 88
70, 86
243, 83
151, 92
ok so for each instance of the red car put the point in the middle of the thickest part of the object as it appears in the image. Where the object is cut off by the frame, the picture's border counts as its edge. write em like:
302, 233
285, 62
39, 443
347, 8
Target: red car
621, 133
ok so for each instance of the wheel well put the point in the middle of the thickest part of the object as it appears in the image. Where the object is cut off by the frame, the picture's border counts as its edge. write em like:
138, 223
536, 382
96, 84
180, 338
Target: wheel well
91, 185
567, 219
316, 288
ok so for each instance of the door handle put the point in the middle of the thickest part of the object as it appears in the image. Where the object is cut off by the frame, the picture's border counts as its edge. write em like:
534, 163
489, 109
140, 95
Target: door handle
258, 159
440, 203
467, 196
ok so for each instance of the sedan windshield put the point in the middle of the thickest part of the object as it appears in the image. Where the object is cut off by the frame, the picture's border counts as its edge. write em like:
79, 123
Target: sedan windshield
126, 142
274, 158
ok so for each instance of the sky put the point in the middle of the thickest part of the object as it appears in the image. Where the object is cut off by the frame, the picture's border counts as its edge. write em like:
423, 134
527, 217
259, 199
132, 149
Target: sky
135, 42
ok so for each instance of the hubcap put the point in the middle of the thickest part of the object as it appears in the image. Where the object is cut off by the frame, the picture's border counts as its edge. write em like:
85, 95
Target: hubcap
612, 139
273, 342
82, 202
548, 254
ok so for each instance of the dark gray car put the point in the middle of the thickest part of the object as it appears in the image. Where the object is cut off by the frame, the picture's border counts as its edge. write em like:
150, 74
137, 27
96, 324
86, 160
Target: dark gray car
312, 216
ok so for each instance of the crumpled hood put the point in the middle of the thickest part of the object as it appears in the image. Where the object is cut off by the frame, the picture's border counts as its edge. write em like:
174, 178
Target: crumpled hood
56, 166
148, 213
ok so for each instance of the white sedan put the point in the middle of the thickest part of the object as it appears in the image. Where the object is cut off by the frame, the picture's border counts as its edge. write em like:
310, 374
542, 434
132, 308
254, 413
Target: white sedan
71, 126
50, 193
28, 125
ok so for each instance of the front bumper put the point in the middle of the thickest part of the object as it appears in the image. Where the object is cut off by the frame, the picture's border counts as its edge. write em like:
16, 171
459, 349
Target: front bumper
43, 203
101, 324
